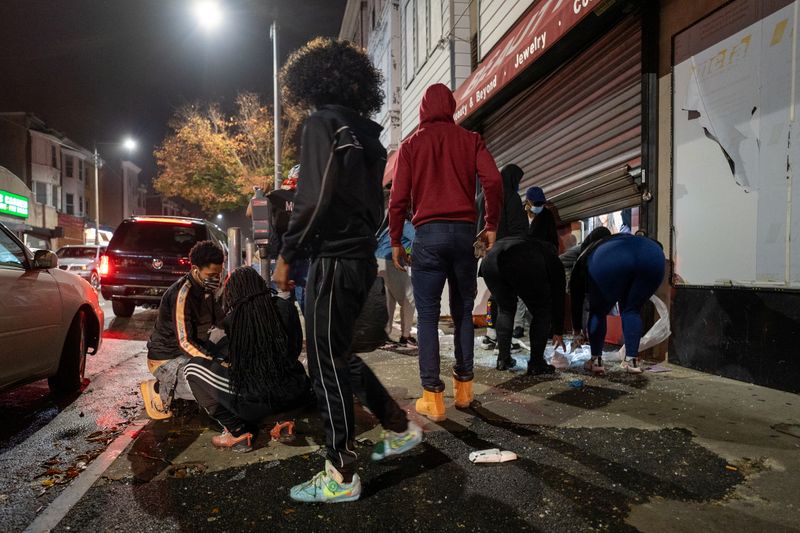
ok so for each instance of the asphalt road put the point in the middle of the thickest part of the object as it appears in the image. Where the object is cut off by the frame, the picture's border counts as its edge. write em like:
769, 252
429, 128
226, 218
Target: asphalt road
44, 443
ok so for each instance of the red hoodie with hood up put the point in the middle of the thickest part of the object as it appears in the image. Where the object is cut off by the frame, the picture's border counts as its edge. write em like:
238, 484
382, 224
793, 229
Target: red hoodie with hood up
437, 167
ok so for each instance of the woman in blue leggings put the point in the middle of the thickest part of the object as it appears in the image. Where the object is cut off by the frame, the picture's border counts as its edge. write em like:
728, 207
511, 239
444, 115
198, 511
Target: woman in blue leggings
615, 268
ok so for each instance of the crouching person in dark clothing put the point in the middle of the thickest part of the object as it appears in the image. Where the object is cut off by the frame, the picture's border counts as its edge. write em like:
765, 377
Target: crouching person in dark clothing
529, 269
188, 313
260, 374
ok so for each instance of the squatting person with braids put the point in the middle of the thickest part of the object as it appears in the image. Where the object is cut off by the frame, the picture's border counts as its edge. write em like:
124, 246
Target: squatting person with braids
338, 208
260, 375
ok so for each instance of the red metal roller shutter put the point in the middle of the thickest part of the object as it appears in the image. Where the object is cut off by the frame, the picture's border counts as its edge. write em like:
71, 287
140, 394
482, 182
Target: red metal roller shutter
579, 125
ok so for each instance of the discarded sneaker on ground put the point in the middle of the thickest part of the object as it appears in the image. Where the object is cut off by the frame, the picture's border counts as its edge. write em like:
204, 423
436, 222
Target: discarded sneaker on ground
152, 401
327, 486
227, 441
397, 443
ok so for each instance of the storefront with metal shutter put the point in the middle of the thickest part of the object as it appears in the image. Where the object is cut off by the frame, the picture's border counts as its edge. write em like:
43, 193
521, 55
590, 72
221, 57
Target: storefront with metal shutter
577, 132
562, 96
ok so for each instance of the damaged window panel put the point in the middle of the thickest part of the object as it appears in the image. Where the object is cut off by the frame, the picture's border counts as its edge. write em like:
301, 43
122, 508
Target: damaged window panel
736, 200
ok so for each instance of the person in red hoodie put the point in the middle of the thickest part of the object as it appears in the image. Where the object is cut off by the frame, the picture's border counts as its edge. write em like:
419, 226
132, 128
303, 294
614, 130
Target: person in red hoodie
436, 174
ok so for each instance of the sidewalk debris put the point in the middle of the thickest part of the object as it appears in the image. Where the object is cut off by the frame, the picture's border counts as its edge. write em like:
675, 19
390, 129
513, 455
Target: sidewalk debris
657, 368
576, 384
184, 470
493, 455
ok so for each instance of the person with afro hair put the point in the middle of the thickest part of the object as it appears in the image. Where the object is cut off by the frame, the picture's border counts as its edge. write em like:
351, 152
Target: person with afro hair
338, 208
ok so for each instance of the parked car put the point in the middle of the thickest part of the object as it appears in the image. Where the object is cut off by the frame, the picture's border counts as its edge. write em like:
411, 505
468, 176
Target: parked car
83, 260
49, 319
148, 254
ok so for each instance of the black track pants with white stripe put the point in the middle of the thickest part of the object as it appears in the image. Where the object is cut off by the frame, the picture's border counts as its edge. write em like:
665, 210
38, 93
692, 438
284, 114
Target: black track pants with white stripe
211, 388
335, 294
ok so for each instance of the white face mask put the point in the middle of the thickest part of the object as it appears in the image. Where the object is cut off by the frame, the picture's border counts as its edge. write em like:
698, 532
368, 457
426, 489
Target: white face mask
537, 209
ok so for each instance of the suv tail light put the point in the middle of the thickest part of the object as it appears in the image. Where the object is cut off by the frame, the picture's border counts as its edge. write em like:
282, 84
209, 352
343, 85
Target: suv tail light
105, 266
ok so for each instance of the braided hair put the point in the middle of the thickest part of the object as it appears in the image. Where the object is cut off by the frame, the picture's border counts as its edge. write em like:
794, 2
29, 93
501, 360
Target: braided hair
258, 339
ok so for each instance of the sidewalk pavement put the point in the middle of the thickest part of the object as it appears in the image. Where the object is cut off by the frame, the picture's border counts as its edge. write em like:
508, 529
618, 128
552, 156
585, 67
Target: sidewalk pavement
663, 451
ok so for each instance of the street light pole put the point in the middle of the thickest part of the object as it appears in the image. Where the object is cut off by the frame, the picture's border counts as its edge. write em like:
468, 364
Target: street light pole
273, 32
96, 198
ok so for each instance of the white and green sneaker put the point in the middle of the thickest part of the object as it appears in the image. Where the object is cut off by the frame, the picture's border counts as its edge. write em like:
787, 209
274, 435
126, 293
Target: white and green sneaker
397, 443
327, 486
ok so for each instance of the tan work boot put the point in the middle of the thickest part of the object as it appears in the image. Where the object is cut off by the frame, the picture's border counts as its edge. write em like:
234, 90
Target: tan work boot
463, 393
431, 405
152, 401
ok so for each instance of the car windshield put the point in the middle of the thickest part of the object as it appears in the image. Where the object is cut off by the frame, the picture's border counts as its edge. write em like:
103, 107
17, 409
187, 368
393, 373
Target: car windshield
77, 252
158, 237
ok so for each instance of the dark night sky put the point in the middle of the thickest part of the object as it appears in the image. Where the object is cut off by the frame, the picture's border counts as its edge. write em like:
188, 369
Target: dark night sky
102, 69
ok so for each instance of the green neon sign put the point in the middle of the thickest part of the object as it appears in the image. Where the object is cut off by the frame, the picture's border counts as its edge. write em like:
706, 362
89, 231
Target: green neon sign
13, 204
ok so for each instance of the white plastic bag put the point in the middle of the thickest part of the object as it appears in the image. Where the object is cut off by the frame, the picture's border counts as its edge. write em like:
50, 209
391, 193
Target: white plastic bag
656, 334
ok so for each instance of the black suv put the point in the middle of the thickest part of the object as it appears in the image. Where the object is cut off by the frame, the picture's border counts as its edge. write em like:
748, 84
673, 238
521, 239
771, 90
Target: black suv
146, 255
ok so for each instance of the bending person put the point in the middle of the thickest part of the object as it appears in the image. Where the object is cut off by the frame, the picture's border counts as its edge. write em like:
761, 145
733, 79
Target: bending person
261, 374
528, 269
615, 268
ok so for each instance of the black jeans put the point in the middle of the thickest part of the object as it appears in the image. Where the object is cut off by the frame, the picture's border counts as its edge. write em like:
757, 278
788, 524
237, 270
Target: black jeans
521, 273
335, 294
443, 252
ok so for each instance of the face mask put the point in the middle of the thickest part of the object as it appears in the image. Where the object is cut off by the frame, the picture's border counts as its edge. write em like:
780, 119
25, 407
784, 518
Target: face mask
537, 209
210, 284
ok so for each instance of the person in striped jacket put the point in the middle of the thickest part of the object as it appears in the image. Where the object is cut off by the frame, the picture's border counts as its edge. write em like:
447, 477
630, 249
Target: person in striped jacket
189, 312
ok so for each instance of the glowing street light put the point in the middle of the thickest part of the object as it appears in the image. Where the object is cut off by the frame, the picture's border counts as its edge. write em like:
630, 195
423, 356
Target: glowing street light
129, 144
208, 14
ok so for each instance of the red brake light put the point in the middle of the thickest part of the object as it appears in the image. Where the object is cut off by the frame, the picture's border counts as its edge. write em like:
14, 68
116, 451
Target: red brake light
105, 265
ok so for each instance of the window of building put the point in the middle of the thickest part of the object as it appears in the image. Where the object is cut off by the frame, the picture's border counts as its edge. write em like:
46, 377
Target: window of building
81, 170
474, 26
40, 190
436, 23
69, 166
408, 42
53, 158
70, 204
81, 207
421, 32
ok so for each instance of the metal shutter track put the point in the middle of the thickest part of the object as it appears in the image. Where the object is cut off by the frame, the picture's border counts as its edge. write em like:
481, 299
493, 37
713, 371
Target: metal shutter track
573, 132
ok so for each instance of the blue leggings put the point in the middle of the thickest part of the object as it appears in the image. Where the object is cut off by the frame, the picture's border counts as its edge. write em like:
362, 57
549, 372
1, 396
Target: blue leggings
628, 270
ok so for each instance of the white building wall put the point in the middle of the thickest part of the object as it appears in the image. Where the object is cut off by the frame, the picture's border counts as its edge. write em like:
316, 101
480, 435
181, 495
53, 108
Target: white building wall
383, 46
436, 67
495, 18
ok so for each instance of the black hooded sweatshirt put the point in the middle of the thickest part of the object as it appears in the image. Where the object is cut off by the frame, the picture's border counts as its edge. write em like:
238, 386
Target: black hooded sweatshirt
513, 221
339, 198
